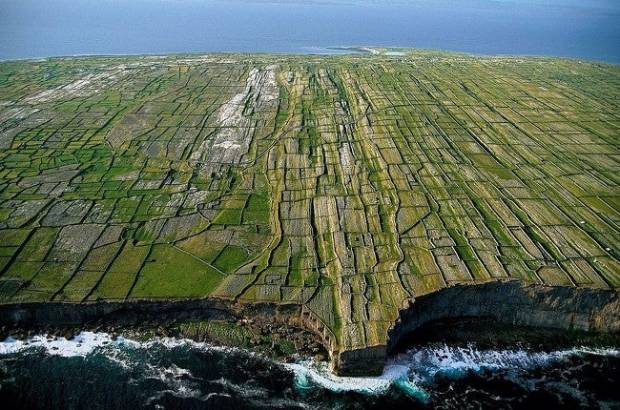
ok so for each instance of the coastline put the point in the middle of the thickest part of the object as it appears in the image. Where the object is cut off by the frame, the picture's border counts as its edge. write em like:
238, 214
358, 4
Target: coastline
291, 344
495, 314
329, 52
274, 331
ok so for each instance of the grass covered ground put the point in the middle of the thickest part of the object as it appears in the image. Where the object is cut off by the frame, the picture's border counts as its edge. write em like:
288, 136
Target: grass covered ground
347, 184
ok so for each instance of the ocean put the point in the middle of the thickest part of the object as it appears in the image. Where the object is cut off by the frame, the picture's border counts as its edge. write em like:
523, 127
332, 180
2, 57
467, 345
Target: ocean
588, 29
96, 371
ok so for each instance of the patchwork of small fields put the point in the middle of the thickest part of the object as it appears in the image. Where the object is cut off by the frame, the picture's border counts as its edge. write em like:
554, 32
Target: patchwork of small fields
346, 184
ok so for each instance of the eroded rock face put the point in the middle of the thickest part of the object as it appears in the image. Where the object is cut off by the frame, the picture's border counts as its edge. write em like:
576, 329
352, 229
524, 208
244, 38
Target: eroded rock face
563, 308
514, 303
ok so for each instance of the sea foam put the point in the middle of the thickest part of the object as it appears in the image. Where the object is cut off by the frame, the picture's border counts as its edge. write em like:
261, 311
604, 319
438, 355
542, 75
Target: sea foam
310, 373
86, 342
80, 345
411, 372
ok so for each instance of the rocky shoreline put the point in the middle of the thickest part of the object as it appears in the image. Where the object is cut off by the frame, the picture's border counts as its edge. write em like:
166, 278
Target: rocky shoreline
279, 342
288, 331
488, 333
276, 331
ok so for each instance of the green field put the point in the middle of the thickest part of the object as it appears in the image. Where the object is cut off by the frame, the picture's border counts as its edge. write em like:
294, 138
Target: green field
346, 184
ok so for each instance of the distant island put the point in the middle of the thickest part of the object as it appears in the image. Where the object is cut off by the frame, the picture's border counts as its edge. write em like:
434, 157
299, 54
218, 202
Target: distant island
325, 204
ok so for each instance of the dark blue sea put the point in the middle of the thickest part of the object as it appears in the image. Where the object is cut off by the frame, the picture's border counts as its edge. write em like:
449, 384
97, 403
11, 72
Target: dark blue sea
588, 29
95, 371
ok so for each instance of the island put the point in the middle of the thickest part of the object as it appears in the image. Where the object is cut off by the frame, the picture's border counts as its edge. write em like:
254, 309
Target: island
355, 197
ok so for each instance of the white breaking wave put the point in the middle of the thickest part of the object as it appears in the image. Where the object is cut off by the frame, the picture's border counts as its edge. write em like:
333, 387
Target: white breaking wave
117, 350
309, 373
80, 345
412, 370
409, 372
87, 342
425, 363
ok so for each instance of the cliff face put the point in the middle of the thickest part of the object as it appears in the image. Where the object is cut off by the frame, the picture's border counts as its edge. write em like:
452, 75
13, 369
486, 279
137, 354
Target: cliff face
514, 303
511, 302
135, 314
71, 314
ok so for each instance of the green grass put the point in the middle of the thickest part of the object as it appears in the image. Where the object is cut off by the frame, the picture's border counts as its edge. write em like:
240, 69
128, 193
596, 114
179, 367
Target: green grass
230, 258
13, 237
228, 217
172, 273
